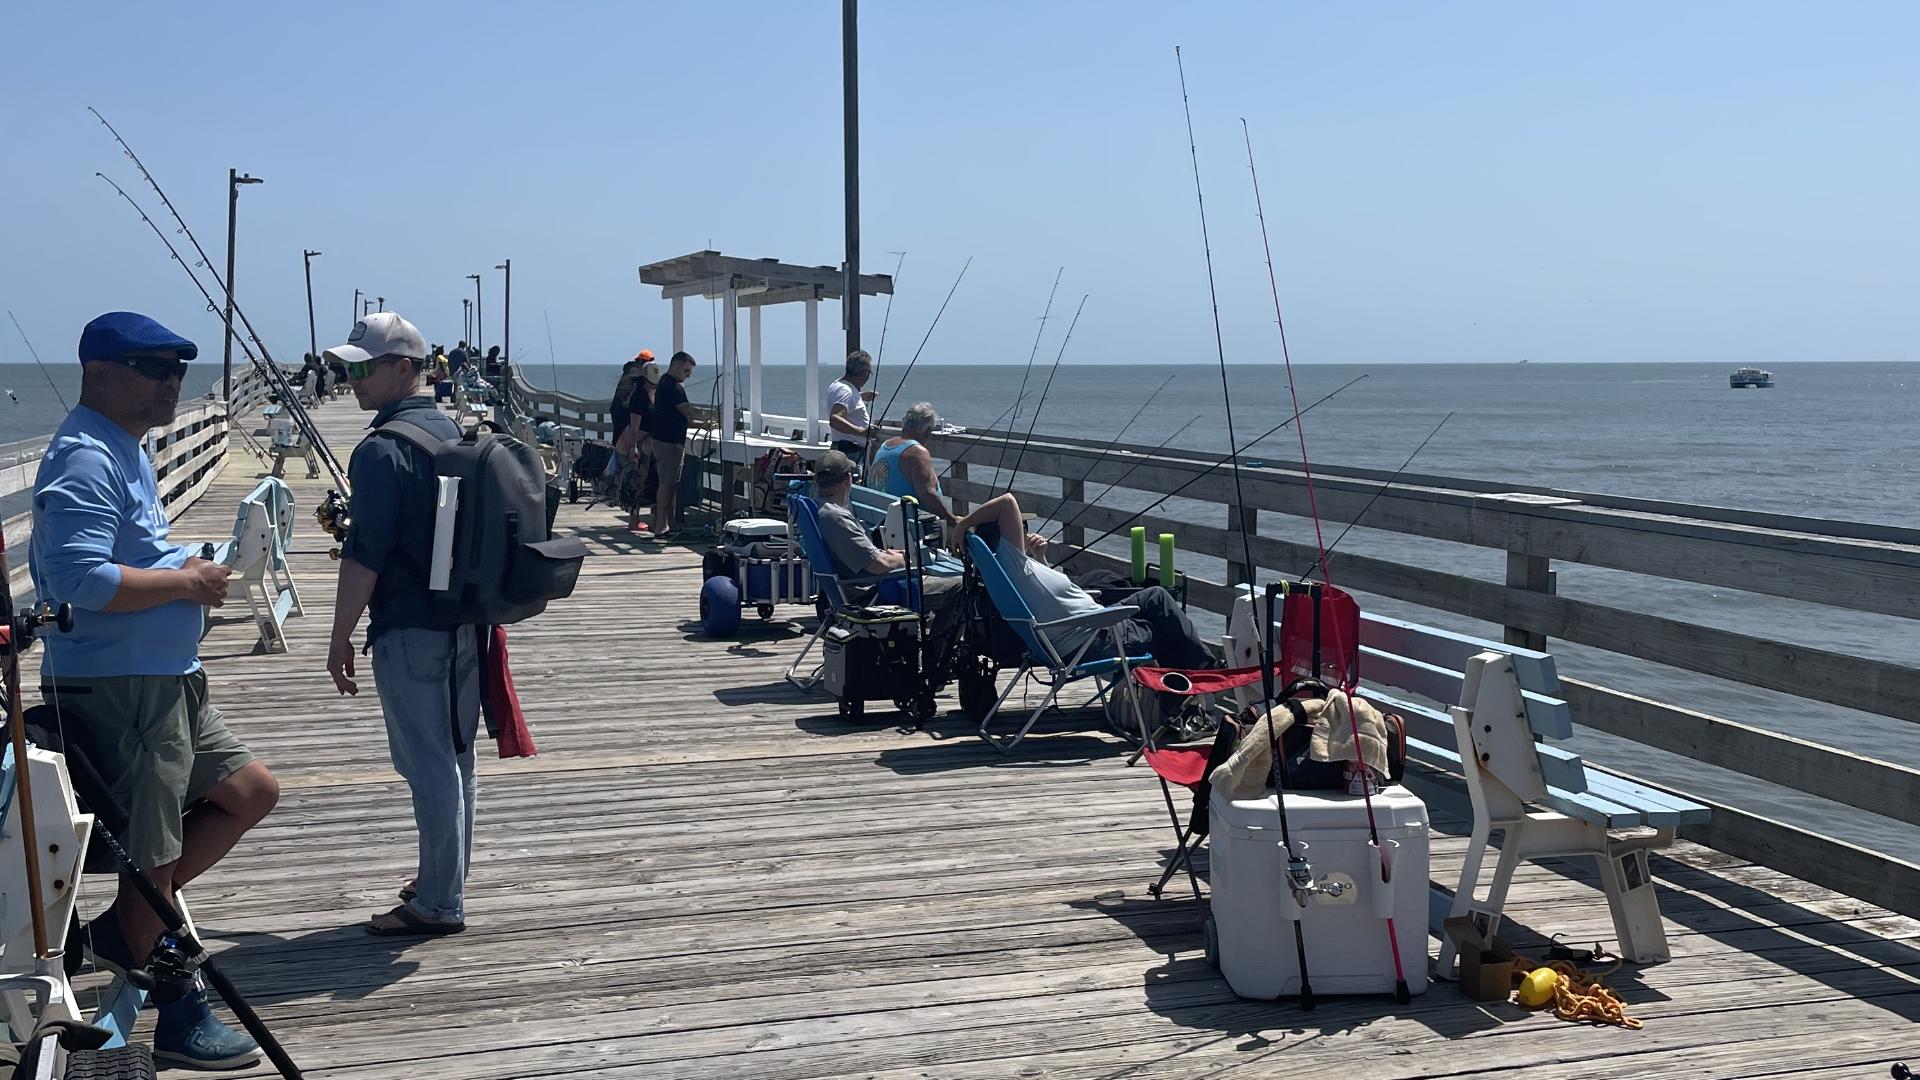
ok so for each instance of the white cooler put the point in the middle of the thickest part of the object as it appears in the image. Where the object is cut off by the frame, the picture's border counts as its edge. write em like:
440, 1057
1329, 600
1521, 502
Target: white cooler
1250, 936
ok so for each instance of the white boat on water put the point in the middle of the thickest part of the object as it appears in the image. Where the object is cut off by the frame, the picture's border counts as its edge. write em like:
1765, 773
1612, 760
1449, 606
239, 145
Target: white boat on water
1750, 376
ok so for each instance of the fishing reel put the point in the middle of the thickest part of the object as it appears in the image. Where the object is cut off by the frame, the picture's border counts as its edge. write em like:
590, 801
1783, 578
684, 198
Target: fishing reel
19, 632
169, 974
334, 515
1300, 882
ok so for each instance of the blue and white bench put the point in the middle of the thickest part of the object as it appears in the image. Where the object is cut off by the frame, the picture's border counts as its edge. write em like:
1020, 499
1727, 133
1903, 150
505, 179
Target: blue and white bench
1501, 707
257, 553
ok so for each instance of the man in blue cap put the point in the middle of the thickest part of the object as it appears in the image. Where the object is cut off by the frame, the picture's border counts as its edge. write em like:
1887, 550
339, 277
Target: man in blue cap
129, 672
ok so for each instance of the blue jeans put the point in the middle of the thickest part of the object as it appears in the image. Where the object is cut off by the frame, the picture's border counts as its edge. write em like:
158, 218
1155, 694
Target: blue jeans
415, 673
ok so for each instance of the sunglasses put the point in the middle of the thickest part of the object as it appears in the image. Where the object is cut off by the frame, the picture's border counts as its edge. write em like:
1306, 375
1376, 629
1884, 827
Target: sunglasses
159, 369
360, 369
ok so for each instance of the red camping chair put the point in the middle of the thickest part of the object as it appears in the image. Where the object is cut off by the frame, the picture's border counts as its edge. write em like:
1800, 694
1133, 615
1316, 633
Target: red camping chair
1319, 639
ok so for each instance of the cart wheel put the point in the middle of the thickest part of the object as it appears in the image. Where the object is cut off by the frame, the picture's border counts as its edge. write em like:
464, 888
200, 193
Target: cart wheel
853, 710
978, 689
765, 610
1212, 944
719, 606
121, 1063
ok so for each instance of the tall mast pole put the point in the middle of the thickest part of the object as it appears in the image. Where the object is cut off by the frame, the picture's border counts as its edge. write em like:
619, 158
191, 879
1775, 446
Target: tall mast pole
850, 75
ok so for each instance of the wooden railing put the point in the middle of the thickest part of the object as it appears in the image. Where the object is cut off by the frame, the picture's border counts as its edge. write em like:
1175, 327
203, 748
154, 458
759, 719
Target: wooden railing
1836, 564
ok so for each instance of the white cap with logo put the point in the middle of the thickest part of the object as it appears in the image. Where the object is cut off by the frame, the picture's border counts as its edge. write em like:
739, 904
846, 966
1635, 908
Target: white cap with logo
382, 333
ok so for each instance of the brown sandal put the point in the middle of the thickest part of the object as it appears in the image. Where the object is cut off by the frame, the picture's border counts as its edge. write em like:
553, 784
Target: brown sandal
402, 921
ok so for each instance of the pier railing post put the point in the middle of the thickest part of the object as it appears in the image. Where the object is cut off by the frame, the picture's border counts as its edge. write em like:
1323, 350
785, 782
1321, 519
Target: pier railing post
1239, 518
1073, 491
1535, 574
957, 472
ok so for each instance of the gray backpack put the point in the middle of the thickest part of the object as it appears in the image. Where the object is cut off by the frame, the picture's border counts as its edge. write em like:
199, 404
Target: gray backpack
506, 565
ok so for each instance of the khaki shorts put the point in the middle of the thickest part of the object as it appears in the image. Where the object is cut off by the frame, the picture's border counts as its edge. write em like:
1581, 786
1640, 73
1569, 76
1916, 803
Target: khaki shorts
667, 458
158, 743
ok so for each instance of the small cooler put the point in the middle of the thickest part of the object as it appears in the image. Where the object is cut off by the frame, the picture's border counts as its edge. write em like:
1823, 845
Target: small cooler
1249, 937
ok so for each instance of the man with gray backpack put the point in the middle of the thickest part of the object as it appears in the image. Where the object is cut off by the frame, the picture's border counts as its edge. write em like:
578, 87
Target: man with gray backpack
448, 538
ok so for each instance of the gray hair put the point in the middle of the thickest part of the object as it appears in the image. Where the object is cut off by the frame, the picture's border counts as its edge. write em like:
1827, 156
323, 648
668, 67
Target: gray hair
920, 418
859, 363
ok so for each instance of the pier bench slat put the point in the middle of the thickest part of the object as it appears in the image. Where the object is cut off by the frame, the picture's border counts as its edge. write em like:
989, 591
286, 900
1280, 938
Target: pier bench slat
1535, 671
1663, 809
1561, 768
1549, 717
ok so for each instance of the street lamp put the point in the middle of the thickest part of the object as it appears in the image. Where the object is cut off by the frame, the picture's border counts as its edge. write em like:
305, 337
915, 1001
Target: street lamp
466, 321
234, 180
383, 303
479, 319
506, 335
366, 305
356, 305
313, 338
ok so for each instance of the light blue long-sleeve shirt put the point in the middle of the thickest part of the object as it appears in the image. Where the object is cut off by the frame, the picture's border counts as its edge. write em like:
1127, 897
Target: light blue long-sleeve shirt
96, 508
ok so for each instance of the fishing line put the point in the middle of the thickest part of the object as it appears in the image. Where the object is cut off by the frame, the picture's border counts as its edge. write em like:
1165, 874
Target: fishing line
1244, 516
264, 361
1108, 490
923, 343
1202, 474
553, 366
881, 352
1042, 403
1401, 993
1321, 562
35, 353
295, 411
1045, 313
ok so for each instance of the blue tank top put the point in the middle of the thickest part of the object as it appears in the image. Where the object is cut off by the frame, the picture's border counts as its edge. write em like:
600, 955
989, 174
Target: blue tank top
898, 483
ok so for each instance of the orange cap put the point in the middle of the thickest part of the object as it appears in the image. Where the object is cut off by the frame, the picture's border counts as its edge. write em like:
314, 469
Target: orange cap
644, 355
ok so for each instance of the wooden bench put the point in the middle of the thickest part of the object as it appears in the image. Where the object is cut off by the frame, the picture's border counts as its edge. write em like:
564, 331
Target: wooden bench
257, 553
1488, 712
284, 436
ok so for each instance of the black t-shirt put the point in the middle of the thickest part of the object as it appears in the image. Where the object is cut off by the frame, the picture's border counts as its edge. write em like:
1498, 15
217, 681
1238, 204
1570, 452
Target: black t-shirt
639, 407
669, 426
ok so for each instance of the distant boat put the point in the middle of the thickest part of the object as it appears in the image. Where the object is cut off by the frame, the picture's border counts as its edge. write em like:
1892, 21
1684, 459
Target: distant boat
1750, 376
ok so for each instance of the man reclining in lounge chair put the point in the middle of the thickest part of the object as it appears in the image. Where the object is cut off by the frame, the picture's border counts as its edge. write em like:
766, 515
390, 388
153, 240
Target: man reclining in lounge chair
1160, 627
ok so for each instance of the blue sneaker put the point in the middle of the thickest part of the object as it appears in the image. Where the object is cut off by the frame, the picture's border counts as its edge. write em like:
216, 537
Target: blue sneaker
191, 1036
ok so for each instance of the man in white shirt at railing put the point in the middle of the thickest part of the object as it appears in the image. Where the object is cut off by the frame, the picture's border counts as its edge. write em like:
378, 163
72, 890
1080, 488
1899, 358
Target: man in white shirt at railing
847, 400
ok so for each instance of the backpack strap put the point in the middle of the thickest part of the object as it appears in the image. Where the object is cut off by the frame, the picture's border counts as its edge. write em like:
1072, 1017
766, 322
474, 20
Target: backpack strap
413, 433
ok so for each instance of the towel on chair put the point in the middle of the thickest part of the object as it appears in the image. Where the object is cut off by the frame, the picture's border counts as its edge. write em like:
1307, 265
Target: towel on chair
1245, 774
1333, 733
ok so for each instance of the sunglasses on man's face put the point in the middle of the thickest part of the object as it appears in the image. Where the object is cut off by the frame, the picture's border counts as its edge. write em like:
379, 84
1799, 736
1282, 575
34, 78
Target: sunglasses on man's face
360, 369
157, 368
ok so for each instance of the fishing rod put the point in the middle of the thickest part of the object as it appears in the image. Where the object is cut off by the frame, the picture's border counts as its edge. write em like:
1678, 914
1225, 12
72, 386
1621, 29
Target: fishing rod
1108, 490
1055, 370
1202, 474
1045, 313
1108, 448
1246, 542
264, 361
923, 345
881, 352
1401, 993
44, 373
1321, 562
295, 410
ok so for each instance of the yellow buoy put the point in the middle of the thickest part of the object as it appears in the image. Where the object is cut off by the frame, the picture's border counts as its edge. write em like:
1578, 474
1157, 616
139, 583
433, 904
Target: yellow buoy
1538, 987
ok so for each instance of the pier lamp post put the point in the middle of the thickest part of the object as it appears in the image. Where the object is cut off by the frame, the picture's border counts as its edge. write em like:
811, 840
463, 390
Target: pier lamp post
356, 305
382, 301
466, 322
506, 333
479, 320
366, 305
313, 337
234, 180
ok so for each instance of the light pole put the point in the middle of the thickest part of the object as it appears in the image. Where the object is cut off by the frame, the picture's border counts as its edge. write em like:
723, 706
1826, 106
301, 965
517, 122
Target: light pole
506, 335
366, 305
234, 180
356, 305
383, 303
313, 338
466, 322
479, 319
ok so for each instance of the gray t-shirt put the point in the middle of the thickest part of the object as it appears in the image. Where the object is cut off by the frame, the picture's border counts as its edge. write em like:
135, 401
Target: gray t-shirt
1049, 594
852, 549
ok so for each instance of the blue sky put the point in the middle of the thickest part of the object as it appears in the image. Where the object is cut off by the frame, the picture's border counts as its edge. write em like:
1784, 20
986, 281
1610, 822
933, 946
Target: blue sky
1725, 182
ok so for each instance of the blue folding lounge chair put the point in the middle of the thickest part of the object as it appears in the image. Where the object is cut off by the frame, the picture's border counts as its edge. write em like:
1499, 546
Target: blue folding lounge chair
1044, 662
827, 578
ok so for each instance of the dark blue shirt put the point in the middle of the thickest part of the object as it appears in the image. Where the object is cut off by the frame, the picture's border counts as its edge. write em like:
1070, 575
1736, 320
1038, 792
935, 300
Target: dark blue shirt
669, 425
392, 514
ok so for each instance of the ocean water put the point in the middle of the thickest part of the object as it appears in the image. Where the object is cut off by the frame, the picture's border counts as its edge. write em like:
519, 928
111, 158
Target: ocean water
1833, 440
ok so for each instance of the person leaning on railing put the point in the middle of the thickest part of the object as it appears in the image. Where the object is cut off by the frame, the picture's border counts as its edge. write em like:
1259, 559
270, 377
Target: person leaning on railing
127, 681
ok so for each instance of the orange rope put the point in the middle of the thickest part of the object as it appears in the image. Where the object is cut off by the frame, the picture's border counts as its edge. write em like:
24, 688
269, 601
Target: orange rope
1581, 998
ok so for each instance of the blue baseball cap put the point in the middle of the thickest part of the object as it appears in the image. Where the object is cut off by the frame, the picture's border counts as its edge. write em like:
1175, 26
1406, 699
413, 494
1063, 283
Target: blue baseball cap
122, 333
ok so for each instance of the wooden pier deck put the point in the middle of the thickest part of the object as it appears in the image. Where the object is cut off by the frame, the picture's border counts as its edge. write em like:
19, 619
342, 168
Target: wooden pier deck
704, 874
